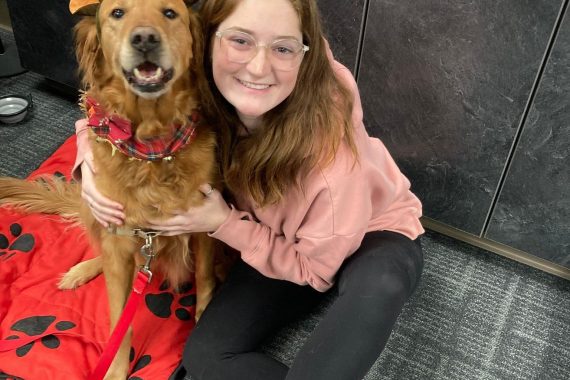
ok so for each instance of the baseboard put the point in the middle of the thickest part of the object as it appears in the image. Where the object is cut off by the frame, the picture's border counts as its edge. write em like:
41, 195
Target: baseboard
498, 248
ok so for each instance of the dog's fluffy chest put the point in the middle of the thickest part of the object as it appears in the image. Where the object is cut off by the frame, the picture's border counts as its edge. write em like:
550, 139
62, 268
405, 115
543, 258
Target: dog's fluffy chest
151, 190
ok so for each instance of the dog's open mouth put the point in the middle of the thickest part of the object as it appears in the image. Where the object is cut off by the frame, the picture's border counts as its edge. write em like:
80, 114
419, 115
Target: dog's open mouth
148, 77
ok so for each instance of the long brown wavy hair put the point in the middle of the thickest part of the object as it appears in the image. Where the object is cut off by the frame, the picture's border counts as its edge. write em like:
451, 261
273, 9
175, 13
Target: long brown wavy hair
301, 132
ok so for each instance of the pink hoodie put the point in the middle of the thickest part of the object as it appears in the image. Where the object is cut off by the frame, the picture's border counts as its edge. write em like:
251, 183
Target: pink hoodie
306, 237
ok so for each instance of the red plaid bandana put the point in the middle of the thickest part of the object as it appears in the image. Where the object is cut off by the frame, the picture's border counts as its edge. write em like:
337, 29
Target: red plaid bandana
118, 132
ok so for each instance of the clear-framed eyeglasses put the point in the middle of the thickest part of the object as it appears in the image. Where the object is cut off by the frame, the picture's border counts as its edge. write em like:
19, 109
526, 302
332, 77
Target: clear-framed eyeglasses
284, 54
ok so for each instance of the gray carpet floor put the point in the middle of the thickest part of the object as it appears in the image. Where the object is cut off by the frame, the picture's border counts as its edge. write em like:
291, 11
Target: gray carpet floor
474, 316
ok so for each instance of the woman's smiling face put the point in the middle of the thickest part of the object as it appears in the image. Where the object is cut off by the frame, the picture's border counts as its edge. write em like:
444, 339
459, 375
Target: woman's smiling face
255, 87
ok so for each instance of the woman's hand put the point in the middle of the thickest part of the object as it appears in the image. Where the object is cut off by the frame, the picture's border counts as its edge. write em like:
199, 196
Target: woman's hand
204, 218
103, 209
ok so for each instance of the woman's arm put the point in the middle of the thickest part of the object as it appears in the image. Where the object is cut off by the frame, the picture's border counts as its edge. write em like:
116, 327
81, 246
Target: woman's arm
308, 258
104, 209
311, 252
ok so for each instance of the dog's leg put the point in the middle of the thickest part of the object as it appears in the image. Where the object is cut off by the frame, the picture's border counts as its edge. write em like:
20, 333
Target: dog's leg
118, 267
81, 273
204, 256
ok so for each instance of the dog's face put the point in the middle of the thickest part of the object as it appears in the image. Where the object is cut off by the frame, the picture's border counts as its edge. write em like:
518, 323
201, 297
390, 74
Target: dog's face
148, 43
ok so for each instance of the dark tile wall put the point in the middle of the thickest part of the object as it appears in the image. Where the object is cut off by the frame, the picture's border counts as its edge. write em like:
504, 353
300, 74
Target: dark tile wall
533, 212
45, 41
342, 20
43, 33
444, 85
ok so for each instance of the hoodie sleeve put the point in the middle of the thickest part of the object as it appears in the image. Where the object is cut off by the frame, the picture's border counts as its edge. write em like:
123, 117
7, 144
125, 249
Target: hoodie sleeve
306, 238
312, 256
331, 230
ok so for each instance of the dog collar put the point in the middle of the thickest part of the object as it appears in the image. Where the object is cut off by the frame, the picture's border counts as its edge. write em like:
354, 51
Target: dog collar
118, 132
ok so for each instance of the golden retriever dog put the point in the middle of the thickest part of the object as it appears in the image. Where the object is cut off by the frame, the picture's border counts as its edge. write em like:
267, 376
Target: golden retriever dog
141, 63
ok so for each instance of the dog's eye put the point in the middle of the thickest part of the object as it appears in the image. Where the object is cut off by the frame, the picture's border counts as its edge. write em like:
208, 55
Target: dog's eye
169, 13
117, 13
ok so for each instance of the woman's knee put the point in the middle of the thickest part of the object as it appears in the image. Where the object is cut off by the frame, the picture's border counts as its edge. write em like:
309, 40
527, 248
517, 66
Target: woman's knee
387, 265
199, 355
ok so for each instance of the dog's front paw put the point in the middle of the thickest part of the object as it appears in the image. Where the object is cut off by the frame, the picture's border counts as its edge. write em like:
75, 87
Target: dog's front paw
199, 311
112, 376
202, 302
70, 280
80, 274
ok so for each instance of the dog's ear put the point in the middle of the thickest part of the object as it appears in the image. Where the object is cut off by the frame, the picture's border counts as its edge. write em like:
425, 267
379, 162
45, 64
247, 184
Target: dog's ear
197, 41
87, 49
84, 7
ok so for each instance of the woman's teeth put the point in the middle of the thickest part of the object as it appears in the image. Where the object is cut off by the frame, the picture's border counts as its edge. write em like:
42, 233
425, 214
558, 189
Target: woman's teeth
254, 86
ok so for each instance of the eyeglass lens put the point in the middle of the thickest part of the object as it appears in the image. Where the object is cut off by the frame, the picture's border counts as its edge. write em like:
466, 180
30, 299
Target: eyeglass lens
241, 47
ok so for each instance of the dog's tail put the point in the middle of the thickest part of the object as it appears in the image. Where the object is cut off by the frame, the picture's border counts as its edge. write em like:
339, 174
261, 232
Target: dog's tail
44, 195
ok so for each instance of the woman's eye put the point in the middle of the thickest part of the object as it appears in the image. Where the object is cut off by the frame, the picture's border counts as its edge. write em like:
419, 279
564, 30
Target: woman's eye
283, 50
241, 43
169, 13
117, 13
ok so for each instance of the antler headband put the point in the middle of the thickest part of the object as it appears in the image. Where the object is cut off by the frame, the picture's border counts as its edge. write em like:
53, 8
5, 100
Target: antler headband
90, 6
83, 6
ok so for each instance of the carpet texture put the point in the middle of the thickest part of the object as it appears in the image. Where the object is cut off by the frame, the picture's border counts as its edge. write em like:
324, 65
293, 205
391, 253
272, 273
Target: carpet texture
474, 316
25, 145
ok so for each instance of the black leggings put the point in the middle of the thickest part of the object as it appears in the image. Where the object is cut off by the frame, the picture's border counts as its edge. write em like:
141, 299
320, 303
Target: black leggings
372, 286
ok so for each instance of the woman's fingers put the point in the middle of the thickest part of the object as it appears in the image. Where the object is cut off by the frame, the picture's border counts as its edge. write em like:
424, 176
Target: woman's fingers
107, 214
99, 218
93, 195
107, 206
173, 233
178, 222
208, 216
207, 189
103, 209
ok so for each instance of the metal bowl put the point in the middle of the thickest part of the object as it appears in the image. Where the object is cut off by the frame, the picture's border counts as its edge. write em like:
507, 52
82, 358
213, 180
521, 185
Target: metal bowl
14, 108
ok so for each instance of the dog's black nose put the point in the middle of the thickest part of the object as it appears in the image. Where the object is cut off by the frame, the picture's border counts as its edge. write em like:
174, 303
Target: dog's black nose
145, 38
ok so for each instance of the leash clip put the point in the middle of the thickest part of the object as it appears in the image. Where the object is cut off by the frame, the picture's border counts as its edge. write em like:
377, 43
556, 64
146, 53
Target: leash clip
147, 250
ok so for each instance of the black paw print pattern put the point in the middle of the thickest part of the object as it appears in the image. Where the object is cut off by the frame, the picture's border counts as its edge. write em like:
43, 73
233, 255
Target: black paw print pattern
57, 176
60, 175
140, 364
5, 376
38, 325
160, 304
17, 242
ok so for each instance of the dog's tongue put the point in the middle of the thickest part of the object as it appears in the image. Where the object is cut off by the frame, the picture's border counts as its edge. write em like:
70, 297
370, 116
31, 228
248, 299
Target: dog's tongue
147, 69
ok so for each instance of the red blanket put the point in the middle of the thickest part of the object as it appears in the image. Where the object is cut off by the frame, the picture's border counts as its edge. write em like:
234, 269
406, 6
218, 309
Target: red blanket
70, 328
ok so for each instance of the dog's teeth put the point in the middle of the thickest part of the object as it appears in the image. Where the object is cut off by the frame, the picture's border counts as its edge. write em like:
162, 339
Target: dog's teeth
156, 75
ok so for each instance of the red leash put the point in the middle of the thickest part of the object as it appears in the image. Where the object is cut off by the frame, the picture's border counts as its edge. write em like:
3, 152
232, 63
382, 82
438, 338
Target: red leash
141, 281
143, 278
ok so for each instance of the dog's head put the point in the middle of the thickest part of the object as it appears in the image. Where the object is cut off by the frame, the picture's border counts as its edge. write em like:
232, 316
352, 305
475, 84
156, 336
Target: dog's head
146, 45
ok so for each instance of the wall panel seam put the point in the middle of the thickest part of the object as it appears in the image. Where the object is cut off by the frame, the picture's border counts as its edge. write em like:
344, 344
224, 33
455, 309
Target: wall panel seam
361, 39
523, 119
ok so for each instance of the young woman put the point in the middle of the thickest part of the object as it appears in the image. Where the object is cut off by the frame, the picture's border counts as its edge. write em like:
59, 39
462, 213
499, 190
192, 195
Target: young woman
317, 205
